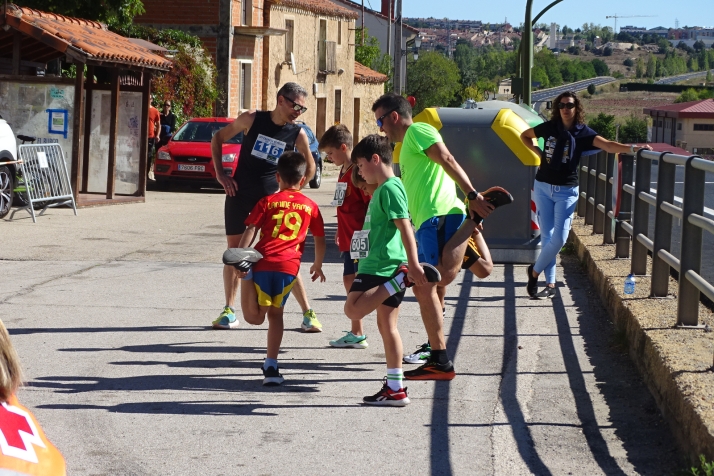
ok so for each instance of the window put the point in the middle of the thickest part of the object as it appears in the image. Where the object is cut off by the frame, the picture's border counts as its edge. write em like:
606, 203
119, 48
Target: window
338, 106
339, 32
246, 12
679, 126
245, 92
289, 36
704, 127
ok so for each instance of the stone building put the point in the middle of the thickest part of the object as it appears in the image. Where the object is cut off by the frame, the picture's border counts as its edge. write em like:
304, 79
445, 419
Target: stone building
368, 87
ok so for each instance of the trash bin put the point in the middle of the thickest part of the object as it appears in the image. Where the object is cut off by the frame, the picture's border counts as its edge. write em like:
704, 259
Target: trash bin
485, 140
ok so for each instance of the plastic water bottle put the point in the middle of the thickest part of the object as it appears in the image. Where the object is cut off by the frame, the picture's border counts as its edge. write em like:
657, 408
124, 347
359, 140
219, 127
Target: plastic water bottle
630, 284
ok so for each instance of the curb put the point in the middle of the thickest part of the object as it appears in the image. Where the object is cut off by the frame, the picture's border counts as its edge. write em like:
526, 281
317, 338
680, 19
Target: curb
675, 364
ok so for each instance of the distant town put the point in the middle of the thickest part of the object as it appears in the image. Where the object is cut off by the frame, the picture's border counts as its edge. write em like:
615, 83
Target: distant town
443, 34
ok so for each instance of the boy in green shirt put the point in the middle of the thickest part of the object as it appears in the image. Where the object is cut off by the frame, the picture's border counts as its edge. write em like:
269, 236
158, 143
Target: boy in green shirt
382, 246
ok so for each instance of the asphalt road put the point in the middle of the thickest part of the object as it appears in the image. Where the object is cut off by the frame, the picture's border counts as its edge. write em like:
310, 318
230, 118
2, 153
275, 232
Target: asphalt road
110, 312
681, 77
552, 93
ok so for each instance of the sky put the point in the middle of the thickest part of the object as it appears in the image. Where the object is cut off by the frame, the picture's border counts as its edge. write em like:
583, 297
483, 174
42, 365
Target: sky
568, 12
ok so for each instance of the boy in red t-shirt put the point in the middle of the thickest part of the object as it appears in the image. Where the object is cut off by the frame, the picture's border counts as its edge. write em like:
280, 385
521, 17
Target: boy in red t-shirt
351, 203
283, 220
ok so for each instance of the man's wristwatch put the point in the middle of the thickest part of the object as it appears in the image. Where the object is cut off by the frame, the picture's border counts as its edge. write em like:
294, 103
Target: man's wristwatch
472, 195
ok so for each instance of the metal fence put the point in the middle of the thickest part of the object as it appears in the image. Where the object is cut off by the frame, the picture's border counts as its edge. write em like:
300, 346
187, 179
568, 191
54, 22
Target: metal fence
602, 174
45, 178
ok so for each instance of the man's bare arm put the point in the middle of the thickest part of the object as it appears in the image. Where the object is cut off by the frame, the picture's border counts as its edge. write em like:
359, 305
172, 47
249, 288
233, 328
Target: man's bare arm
302, 144
242, 123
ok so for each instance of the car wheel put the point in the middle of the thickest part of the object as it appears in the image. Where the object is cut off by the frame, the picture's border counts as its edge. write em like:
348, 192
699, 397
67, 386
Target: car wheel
317, 179
6, 190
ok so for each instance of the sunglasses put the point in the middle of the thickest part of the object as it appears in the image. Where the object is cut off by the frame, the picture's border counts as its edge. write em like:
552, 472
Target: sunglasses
296, 106
566, 105
379, 120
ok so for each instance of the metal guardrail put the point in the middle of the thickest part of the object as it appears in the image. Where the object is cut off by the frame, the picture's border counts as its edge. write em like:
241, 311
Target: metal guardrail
45, 177
632, 220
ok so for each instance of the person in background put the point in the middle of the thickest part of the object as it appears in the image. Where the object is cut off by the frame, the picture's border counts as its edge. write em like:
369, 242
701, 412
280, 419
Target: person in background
29, 453
168, 123
154, 137
555, 190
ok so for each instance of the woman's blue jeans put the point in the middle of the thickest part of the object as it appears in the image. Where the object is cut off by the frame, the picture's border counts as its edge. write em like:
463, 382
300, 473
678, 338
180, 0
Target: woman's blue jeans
555, 205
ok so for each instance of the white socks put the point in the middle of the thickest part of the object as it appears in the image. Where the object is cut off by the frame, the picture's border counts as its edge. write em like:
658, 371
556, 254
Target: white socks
396, 284
394, 379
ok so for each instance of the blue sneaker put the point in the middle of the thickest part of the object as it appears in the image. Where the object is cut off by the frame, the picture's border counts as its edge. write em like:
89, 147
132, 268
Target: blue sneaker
350, 340
227, 319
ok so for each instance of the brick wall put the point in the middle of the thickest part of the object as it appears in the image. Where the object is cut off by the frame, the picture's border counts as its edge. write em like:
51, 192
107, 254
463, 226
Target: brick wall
307, 31
189, 12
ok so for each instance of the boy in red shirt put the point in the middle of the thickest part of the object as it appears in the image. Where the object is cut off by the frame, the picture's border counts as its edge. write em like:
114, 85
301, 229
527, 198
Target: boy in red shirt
269, 270
351, 203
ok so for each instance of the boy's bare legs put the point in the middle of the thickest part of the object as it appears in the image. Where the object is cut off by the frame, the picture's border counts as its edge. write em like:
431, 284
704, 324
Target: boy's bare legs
359, 304
252, 312
275, 331
357, 328
387, 318
453, 253
483, 267
309, 322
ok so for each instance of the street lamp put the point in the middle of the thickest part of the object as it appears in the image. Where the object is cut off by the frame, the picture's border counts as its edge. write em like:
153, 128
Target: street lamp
413, 45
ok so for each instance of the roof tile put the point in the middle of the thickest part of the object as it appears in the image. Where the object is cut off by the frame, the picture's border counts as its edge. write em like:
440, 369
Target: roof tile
322, 7
365, 75
90, 37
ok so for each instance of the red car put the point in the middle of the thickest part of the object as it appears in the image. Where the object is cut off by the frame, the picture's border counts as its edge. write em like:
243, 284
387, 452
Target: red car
187, 156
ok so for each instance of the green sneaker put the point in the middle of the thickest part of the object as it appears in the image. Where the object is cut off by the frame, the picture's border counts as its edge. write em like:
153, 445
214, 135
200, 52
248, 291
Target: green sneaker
227, 319
350, 340
310, 322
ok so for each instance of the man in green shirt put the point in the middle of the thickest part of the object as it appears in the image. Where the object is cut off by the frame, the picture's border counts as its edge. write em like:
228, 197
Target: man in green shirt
430, 174
382, 246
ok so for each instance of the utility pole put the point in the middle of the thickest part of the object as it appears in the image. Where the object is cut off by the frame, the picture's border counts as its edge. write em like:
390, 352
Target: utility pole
362, 22
398, 73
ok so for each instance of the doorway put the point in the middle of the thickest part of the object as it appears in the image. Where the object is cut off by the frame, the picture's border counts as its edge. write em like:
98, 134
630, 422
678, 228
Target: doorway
321, 117
356, 121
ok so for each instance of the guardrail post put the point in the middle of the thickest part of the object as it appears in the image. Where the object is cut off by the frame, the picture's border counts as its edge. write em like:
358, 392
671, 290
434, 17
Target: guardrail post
608, 236
663, 227
641, 218
599, 217
691, 254
622, 238
590, 197
583, 187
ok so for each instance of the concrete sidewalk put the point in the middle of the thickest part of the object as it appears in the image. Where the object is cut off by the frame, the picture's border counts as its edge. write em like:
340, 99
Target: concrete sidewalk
110, 312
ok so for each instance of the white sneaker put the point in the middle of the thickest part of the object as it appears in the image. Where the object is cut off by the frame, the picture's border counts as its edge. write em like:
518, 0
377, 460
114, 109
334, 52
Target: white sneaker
151, 176
420, 356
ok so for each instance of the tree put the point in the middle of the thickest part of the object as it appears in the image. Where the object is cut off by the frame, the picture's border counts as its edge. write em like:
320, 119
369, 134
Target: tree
634, 130
433, 80
640, 69
601, 68
367, 52
688, 95
651, 66
591, 88
116, 13
607, 51
604, 125
628, 62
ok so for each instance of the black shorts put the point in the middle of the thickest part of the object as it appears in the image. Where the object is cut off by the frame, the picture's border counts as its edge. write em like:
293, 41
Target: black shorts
365, 282
350, 266
236, 211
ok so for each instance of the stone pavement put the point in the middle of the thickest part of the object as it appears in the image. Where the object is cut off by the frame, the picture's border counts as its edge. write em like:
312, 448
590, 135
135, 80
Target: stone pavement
110, 312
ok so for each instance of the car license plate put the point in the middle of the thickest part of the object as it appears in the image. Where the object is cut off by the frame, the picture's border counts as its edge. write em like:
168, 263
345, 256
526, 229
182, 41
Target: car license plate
192, 168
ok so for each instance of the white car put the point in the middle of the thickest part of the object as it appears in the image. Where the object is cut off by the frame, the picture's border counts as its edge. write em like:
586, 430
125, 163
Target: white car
8, 153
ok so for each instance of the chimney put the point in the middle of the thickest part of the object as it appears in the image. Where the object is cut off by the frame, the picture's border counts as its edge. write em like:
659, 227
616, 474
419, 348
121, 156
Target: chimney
385, 8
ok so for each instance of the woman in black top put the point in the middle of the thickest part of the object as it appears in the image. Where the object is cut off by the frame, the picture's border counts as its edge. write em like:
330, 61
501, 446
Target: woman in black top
555, 190
168, 122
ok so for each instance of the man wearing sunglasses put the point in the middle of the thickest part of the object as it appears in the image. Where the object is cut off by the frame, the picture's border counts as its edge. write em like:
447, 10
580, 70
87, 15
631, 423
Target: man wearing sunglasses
269, 134
430, 174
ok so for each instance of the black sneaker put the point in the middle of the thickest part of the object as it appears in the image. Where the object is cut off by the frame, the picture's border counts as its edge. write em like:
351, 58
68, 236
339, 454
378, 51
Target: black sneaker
532, 286
432, 371
241, 258
388, 397
546, 293
496, 196
272, 377
432, 274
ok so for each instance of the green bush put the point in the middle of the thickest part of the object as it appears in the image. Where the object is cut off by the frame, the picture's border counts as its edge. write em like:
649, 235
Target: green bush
591, 89
604, 125
628, 62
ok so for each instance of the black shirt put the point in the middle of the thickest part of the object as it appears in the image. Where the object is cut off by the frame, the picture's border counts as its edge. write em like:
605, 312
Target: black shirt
169, 120
564, 171
259, 153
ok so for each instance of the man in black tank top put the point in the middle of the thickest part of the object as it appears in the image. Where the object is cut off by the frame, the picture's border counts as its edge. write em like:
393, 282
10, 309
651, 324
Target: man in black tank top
269, 134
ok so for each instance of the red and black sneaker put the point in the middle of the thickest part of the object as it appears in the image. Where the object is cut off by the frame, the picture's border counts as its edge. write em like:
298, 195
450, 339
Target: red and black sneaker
432, 274
432, 371
496, 196
388, 397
